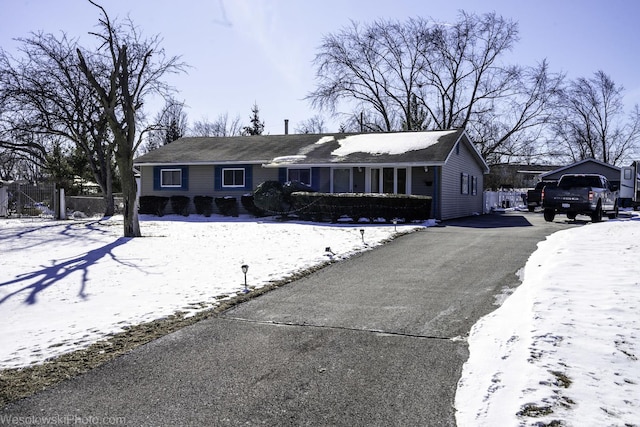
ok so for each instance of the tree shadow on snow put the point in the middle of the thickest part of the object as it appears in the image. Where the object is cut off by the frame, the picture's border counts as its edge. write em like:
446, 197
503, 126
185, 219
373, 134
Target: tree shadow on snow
39, 280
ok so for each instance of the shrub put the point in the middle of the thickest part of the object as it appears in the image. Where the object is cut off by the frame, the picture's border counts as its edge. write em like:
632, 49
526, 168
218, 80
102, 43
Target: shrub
248, 204
153, 205
180, 205
355, 206
269, 197
228, 205
203, 205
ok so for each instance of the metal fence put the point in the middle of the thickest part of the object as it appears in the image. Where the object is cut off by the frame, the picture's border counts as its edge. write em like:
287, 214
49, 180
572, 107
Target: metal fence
25, 199
503, 199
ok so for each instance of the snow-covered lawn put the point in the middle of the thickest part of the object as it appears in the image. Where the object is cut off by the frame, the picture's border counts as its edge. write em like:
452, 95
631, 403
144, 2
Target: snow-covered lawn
67, 284
565, 345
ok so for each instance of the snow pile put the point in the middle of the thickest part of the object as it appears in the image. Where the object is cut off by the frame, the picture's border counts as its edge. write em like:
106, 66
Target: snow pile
564, 346
380, 143
68, 284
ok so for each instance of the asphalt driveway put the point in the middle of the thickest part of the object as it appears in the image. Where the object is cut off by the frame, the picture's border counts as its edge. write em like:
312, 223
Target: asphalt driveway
378, 339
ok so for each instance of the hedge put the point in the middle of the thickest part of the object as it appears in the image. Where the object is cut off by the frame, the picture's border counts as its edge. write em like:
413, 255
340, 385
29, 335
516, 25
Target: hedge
247, 202
153, 205
320, 206
227, 205
203, 205
180, 205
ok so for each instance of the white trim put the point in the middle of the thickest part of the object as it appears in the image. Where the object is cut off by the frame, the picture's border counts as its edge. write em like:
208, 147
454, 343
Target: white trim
217, 163
244, 178
162, 185
353, 165
408, 183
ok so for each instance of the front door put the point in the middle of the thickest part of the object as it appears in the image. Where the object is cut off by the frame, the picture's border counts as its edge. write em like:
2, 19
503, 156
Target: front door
342, 180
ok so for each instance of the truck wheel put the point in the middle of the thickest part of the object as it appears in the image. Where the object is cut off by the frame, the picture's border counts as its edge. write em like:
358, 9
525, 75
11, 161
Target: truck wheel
549, 215
596, 216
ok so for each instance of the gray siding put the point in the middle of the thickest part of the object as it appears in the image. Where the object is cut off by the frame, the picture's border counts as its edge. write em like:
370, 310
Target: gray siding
202, 183
423, 184
452, 202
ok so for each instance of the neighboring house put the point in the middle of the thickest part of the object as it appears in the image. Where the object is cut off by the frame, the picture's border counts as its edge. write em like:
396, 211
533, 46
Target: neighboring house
612, 173
442, 164
514, 176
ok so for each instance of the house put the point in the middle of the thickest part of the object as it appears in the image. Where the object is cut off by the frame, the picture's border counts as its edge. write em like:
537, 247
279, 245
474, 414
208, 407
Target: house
515, 176
612, 173
442, 164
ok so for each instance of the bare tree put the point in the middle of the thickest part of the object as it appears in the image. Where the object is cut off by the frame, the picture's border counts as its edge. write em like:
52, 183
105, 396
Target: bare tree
374, 68
592, 122
314, 124
169, 125
123, 71
422, 75
50, 99
220, 127
511, 130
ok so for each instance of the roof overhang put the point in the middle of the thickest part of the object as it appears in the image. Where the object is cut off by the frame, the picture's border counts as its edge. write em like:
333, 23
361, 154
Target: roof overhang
216, 163
272, 165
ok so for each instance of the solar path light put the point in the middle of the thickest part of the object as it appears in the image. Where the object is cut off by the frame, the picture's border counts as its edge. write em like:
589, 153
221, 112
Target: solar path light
245, 268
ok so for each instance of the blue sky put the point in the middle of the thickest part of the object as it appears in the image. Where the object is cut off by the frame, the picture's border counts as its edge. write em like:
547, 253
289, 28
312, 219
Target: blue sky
246, 51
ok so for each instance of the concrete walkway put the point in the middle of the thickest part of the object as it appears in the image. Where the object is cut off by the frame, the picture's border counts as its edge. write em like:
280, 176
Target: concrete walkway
377, 340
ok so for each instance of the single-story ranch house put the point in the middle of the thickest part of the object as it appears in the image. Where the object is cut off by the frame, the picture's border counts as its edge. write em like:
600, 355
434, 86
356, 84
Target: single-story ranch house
442, 164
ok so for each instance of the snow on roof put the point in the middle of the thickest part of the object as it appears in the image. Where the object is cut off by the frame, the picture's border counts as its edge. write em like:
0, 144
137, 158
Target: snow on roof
288, 159
381, 143
325, 139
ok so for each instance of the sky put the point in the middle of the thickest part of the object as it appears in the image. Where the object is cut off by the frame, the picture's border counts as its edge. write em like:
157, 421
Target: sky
565, 339
242, 52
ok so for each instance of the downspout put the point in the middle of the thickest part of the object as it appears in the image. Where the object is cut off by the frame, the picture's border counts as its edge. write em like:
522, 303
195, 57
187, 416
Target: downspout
436, 192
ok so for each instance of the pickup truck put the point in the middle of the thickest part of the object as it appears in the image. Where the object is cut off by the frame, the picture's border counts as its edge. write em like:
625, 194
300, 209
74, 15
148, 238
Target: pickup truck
584, 194
534, 196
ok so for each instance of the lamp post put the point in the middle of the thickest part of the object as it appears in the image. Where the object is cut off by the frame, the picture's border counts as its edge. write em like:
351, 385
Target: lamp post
395, 224
245, 268
362, 234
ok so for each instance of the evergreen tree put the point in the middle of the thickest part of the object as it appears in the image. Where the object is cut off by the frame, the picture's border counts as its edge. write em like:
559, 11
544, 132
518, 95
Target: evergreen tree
256, 127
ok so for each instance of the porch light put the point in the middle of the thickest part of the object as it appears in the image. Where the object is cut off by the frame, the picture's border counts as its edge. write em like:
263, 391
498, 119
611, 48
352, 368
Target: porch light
245, 268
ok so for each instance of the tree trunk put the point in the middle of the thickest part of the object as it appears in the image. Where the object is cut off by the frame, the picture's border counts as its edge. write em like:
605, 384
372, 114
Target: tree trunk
129, 194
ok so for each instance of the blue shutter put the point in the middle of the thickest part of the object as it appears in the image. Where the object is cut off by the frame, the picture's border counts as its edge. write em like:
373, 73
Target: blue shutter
217, 178
185, 177
156, 178
282, 175
315, 178
248, 177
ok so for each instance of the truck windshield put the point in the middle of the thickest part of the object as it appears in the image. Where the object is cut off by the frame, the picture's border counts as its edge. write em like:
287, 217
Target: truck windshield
580, 181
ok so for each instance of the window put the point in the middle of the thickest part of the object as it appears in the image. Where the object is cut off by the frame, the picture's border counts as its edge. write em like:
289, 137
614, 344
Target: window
402, 181
300, 175
387, 180
464, 183
390, 180
233, 177
474, 185
171, 178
